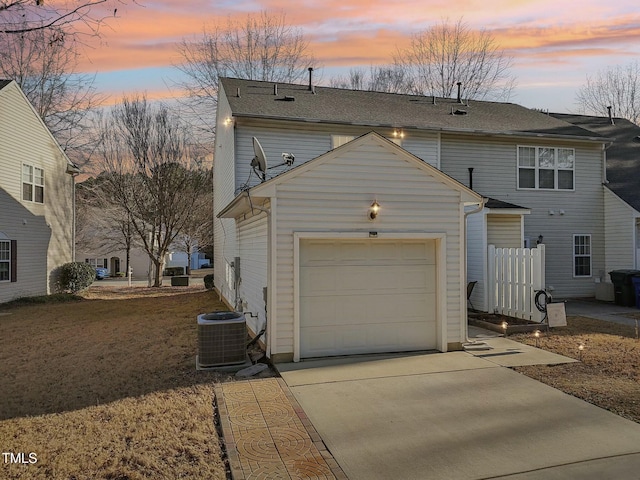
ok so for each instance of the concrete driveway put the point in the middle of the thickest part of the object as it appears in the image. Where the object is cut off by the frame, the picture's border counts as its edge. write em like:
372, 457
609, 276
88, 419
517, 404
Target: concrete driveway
457, 416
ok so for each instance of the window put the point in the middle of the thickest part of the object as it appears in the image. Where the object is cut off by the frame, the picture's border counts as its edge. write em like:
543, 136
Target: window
546, 168
5, 260
97, 262
8, 259
32, 184
582, 255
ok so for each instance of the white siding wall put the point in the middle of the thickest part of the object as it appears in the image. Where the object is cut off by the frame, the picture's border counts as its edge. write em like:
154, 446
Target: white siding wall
477, 257
336, 195
504, 231
495, 173
307, 143
620, 225
43, 231
252, 239
224, 181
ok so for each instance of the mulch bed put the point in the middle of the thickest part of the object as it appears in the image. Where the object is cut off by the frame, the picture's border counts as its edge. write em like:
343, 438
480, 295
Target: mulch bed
494, 322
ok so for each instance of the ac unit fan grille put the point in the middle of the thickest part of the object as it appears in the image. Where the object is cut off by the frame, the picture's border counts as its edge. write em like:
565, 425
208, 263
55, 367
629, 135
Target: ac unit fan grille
222, 343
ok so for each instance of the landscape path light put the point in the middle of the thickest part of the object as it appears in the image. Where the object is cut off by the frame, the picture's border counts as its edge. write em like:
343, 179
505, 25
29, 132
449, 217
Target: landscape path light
505, 325
536, 334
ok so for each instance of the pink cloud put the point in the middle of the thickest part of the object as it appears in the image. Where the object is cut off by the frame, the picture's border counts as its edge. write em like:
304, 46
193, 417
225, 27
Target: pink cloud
359, 32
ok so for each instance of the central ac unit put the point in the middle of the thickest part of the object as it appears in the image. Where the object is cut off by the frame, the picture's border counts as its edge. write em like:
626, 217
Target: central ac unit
222, 339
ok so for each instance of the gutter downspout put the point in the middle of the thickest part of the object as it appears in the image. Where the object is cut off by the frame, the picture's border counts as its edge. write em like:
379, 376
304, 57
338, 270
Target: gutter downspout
466, 322
264, 330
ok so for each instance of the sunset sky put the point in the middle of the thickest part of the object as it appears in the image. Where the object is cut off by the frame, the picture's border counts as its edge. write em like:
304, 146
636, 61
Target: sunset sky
554, 44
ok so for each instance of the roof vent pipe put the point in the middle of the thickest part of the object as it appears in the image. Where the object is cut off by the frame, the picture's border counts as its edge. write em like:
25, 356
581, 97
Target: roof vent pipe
459, 92
275, 89
311, 78
238, 92
610, 116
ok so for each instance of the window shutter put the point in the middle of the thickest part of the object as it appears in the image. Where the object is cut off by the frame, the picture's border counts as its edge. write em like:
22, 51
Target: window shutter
14, 260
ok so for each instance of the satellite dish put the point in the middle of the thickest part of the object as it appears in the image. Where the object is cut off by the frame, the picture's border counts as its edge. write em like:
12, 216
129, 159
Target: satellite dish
259, 160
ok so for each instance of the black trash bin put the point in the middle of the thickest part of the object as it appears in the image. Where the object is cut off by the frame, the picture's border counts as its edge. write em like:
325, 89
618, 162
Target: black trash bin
623, 289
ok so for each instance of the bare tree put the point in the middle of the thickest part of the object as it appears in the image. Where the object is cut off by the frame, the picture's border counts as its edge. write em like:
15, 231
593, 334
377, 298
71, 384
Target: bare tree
447, 53
386, 78
21, 16
262, 47
44, 64
150, 173
197, 233
617, 87
101, 224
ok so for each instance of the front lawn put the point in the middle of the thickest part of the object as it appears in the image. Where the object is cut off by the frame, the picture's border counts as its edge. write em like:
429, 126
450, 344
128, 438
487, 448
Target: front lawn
608, 375
106, 387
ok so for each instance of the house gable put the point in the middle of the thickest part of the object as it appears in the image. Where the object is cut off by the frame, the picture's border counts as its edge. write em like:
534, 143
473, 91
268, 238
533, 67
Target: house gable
40, 226
353, 151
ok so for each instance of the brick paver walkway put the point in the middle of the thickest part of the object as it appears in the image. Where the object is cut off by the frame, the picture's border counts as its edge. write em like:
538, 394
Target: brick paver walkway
268, 436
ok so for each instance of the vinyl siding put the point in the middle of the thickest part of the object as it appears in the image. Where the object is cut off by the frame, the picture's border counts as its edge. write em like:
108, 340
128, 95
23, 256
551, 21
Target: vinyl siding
504, 231
335, 197
620, 227
43, 232
224, 229
495, 173
252, 240
307, 143
477, 258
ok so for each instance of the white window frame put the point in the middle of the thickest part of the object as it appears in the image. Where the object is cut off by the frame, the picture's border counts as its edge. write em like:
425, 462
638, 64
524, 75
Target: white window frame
7, 260
588, 255
34, 181
97, 262
536, 168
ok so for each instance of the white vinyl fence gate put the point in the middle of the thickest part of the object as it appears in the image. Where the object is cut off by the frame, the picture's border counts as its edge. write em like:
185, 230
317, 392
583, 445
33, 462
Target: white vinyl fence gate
514, 276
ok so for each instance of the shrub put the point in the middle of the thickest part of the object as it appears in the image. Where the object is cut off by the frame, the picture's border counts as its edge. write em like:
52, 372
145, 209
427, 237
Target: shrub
75, 276
208, 281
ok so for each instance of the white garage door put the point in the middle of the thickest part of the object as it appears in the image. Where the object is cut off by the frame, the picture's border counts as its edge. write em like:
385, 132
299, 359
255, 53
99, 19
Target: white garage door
367, 296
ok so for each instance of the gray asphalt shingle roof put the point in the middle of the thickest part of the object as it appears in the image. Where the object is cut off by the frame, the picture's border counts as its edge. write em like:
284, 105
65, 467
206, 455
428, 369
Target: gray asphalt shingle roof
623, 156
357, 107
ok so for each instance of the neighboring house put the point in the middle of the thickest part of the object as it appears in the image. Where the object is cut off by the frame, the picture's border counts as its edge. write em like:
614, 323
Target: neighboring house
36, 200
116, 262
543, 177
622, 188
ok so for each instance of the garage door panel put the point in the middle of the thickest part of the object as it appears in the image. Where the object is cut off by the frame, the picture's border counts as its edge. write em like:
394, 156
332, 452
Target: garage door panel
348, 280
367, 296
317, 342
362, 310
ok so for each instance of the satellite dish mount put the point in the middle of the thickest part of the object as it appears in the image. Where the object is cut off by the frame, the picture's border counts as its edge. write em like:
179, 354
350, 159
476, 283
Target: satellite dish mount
260, 164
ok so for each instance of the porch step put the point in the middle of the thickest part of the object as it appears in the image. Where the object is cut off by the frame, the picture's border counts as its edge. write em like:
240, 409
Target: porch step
476, 347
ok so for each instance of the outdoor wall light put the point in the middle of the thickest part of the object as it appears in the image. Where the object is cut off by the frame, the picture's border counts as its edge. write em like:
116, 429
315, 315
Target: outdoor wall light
540, 239
228, 121
373, 211
398, 134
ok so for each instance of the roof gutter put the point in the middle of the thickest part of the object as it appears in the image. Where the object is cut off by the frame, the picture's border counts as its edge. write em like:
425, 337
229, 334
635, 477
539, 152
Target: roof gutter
489, 133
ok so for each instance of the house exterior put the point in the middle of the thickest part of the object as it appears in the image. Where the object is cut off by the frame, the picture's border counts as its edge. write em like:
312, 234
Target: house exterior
36, 200
543, 177
621, 188
116, 261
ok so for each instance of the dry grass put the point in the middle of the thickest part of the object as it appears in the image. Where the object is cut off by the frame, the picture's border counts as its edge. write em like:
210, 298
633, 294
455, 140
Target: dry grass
107, 387
609, 374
